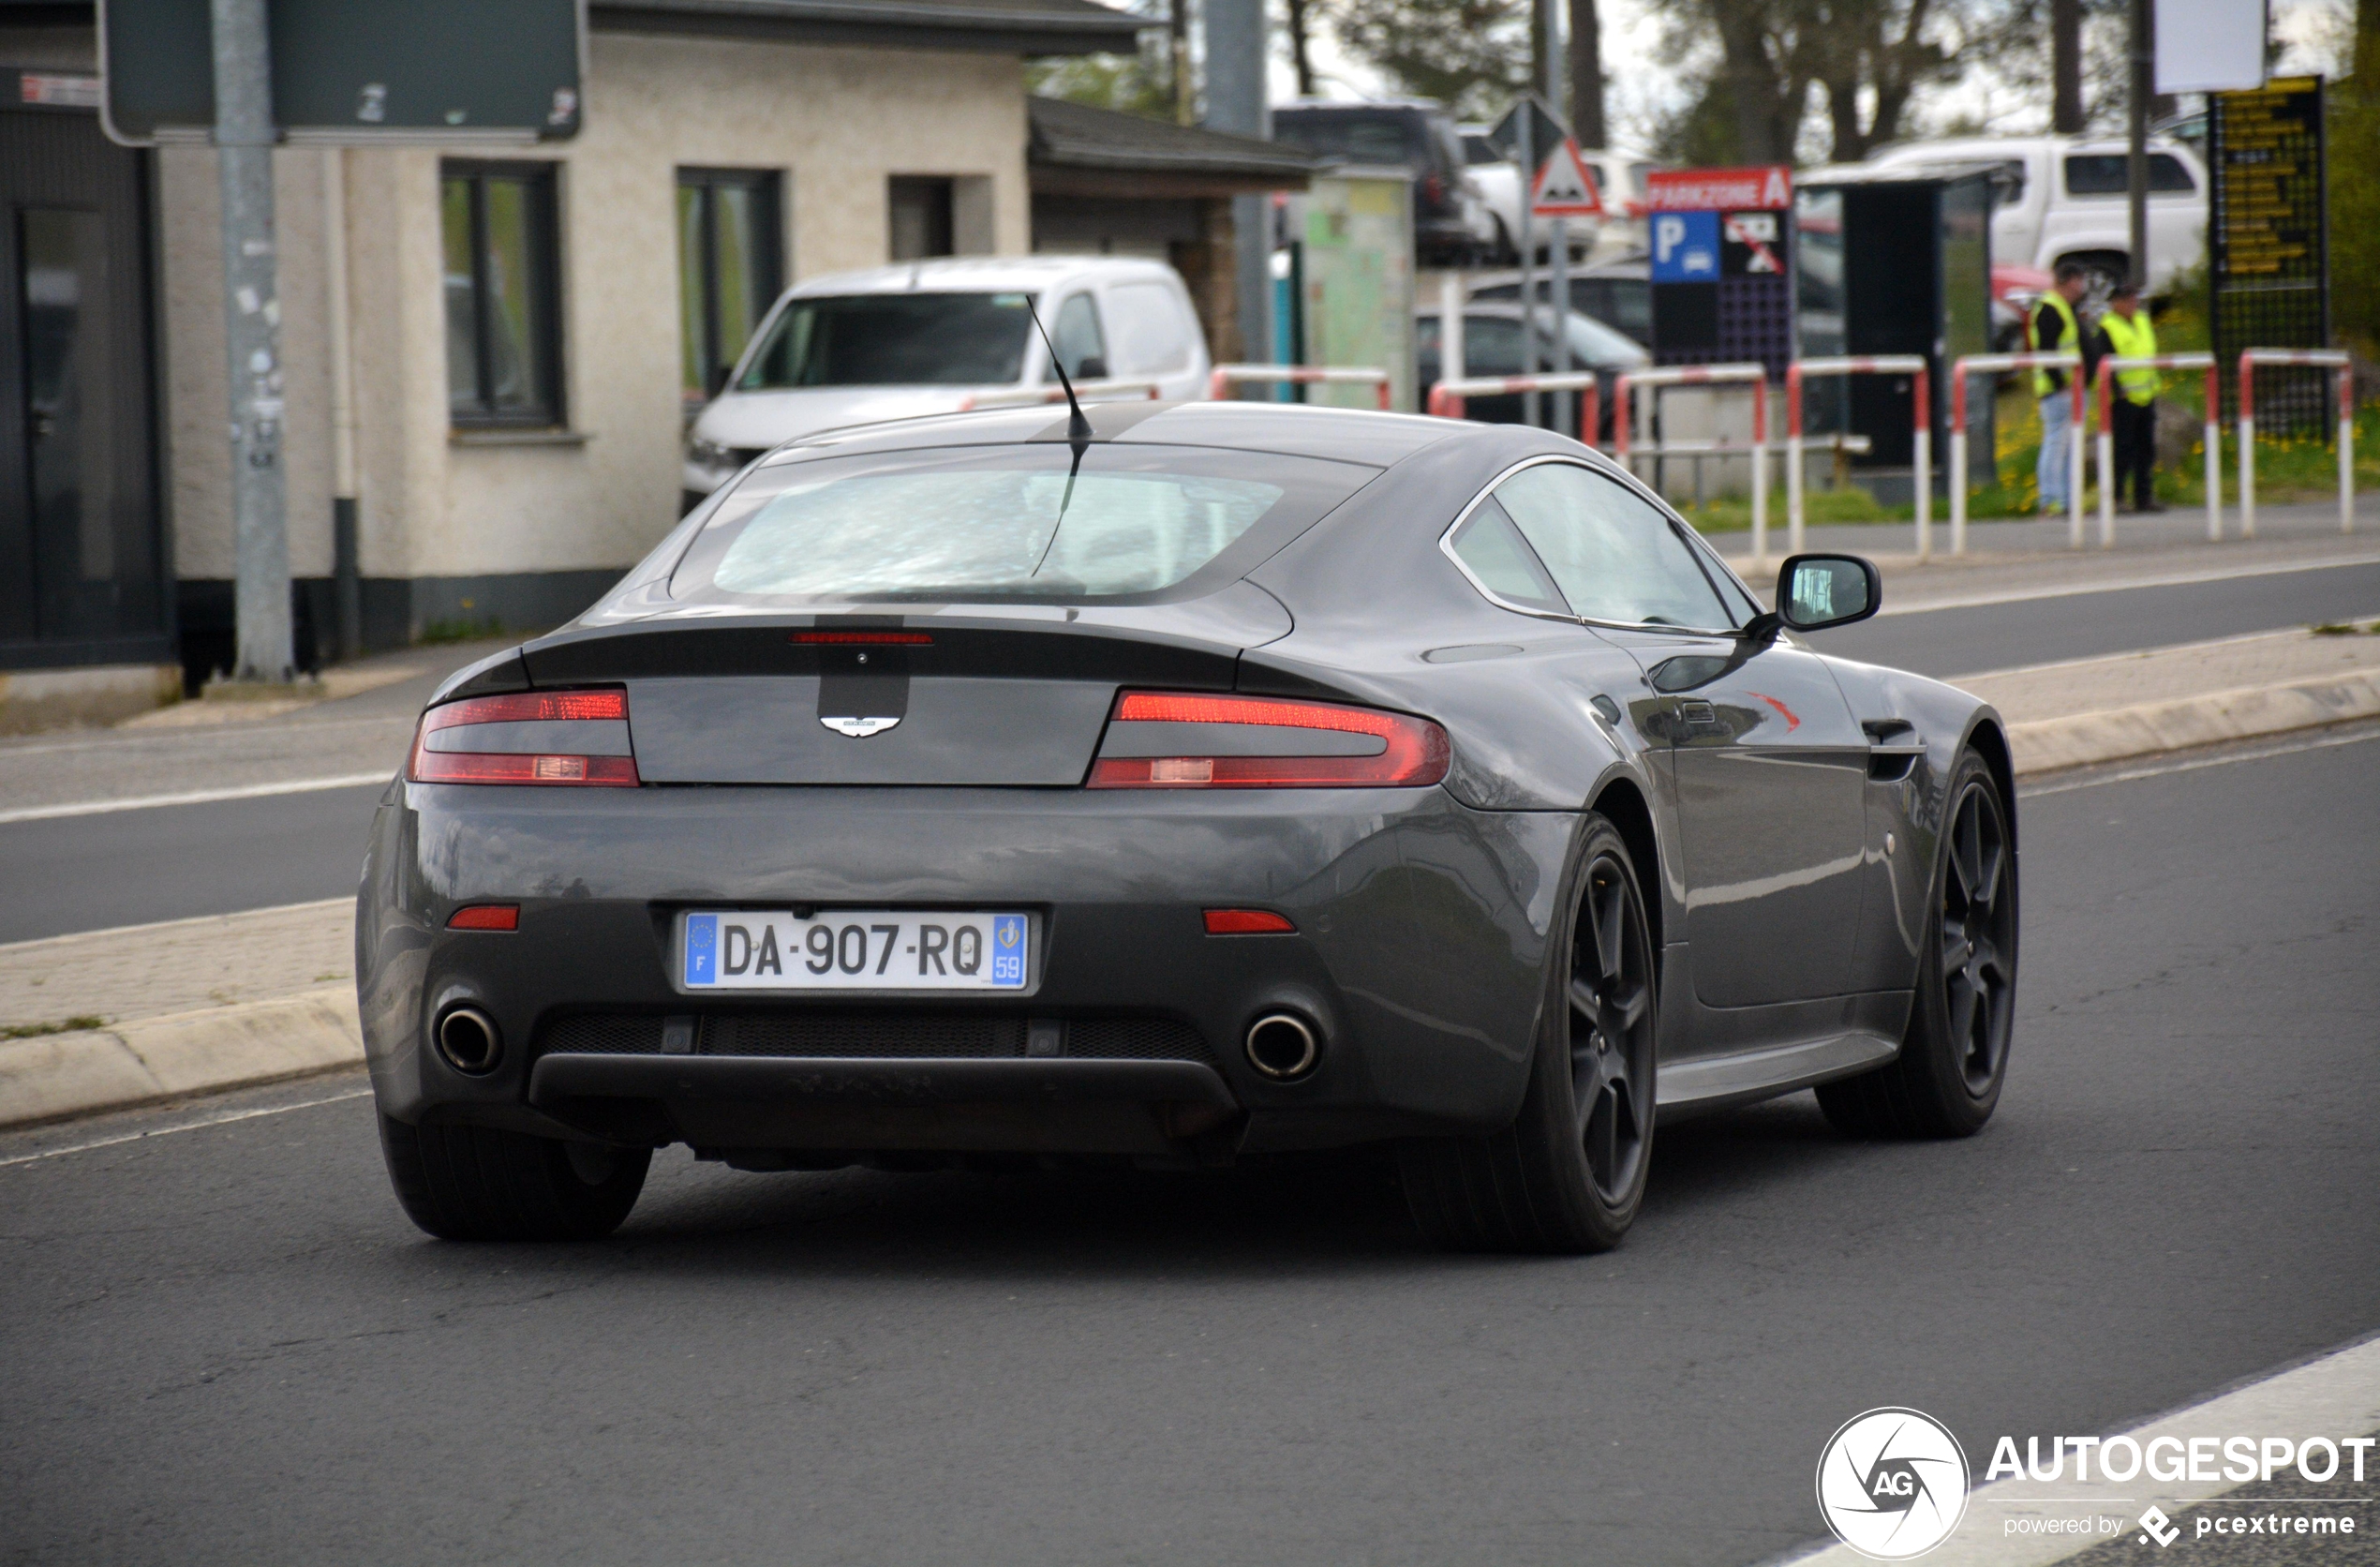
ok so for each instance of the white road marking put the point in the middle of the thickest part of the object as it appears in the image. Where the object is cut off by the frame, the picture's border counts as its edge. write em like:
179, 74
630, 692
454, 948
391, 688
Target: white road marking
2335, 1396
2193, 763
223, 1119
2127, 584
195, 797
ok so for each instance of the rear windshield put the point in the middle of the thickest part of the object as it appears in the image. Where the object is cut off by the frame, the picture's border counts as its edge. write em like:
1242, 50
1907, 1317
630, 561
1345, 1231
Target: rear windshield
904, 339
1354, 135
1009, 522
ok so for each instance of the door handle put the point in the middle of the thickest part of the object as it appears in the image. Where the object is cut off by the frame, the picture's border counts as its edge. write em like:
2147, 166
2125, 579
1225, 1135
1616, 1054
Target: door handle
1698, 712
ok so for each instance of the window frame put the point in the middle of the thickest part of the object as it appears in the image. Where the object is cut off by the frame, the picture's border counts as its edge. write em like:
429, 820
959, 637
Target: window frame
1705, 559
541, 179
767, 189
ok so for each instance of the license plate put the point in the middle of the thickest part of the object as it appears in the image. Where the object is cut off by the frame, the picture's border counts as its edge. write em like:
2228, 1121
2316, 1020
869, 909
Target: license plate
853, 949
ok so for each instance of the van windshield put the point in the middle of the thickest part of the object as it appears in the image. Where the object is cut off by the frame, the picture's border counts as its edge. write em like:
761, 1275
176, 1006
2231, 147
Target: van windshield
901, 339
1004, 522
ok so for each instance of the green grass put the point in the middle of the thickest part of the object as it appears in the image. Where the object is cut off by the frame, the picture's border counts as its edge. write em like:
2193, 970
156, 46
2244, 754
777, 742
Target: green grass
460, 630
35, 1030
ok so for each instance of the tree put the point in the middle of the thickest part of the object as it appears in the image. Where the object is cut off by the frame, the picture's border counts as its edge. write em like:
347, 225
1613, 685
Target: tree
2353, 154
2065, 66
1470, 55
1586, 75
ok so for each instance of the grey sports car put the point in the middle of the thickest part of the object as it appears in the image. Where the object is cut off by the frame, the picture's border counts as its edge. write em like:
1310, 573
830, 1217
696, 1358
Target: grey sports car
1226, 780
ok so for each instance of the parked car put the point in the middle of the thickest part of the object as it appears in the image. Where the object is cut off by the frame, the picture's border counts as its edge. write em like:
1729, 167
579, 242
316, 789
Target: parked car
2063, 199
1617, 293
857, 347
1451, 224
2014, 290
1241, 780
1492, 347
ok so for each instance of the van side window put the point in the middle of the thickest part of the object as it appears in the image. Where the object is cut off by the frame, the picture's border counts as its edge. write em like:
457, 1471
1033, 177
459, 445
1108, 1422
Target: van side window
1152, 337
1081, 349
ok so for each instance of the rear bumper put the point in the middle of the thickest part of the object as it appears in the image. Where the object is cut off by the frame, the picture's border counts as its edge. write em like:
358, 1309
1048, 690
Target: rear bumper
1420, 950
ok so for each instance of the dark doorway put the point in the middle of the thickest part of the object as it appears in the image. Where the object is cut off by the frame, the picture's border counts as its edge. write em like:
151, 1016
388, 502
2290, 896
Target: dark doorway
921, 217
82, 552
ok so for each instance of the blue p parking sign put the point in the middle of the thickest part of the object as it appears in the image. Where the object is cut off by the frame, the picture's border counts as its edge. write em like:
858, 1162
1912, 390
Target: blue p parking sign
1686, 248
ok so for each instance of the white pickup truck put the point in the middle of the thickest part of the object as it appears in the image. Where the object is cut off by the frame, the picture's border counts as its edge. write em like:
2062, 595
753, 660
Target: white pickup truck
2064, 201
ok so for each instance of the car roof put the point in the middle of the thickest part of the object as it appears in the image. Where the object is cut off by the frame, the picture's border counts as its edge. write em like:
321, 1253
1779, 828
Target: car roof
983, 273
1344, 106
1291, 429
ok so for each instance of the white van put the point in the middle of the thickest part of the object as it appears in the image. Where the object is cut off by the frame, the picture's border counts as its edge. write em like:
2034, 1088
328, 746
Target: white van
2063, 199
858, 348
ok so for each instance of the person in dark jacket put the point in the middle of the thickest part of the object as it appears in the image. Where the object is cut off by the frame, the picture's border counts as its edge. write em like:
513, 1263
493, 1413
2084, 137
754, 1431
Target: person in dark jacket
2126, 332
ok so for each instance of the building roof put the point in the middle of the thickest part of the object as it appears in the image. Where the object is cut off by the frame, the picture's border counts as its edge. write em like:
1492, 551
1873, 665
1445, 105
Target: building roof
995, 26
1075, 136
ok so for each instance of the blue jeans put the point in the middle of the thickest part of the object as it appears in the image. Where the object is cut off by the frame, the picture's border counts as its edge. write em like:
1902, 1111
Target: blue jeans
2056, 417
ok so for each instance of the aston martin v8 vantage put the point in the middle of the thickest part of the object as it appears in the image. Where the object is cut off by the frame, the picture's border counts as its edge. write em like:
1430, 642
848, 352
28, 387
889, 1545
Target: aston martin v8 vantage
1217, 781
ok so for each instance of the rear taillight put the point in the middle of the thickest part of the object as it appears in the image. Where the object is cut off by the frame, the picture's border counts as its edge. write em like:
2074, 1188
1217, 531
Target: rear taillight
534, 737
1168, 741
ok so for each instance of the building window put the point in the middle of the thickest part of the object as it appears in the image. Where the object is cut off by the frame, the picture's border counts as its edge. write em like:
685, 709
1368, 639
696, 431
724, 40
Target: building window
729, 271
921, 217
503, 323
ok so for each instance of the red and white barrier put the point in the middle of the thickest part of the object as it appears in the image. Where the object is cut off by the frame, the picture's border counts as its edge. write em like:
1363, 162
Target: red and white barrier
1086, 391
2331, 358
1980, 364
1446, 397
1910, 364
1226, 376
1755, 376
2108, 369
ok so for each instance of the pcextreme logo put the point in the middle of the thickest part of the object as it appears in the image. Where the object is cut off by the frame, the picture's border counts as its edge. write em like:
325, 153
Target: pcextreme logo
1892, 1484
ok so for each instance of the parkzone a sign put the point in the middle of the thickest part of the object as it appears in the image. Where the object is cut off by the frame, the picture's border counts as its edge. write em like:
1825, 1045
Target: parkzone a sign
1720, 189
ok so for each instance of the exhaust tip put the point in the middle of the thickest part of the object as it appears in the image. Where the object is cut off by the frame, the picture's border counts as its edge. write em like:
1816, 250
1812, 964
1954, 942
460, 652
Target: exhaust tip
469, 1039
1283, 1045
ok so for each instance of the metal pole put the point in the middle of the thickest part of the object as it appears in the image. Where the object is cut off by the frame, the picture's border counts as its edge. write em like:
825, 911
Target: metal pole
2347, 450
1530, 407
346, 551
2214, 455
2136, 129
1796, 468
1559, 287
1235, 38
244, 137
2074, 427
2247, 447
2106, 458
1958, 456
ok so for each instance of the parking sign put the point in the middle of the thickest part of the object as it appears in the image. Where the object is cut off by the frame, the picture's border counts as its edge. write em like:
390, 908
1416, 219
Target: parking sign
1686, 248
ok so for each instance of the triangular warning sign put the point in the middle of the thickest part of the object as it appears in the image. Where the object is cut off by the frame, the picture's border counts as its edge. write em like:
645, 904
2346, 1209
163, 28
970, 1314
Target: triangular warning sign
1565, 187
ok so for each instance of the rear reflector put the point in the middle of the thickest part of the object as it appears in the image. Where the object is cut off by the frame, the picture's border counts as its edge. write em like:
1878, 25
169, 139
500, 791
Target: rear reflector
1416, 752
487, 766
862, 638
602, 714
487, 917
1247, 922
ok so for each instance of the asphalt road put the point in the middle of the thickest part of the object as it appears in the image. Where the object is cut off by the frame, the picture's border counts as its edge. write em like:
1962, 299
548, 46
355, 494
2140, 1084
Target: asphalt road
125, 868
227, 1345
1945, 643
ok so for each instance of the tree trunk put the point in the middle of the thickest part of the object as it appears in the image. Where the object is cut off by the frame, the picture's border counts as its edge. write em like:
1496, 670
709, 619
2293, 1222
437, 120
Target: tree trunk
1586, 73
2065, 66
1300, 22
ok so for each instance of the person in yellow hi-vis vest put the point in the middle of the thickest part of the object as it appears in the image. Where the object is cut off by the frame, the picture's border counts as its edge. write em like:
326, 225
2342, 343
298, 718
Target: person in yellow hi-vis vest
2050, 328
2132, 409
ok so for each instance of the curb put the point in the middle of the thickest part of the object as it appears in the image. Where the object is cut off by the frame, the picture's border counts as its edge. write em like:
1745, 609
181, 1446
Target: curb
215, 1047
62, 1075
2119, 734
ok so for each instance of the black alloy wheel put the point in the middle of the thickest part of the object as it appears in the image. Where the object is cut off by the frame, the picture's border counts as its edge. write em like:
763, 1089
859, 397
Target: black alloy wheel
1569, 1175
1953, 1059
1611, 1030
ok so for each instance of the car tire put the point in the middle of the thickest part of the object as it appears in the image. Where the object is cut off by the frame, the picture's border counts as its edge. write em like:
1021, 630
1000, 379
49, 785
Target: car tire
1953, 1059
478, 1184
1569, 1175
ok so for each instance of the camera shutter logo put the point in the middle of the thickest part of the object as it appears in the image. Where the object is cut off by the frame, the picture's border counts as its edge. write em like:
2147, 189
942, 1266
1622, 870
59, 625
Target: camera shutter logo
1892, 1484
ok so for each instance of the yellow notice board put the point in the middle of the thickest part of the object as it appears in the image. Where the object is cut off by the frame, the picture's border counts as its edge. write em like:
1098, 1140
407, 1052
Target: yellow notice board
1358, 271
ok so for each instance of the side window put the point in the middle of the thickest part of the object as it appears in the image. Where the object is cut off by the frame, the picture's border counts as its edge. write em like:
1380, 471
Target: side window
2166, 177
1613, 554
1152, 337
1492, 549
1076, 334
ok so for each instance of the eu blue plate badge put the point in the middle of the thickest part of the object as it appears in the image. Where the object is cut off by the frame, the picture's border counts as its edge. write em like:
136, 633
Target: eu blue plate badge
701, 949
1008, 949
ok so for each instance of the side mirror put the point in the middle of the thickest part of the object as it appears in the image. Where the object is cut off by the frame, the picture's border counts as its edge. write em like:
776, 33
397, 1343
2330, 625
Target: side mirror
1817, 592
